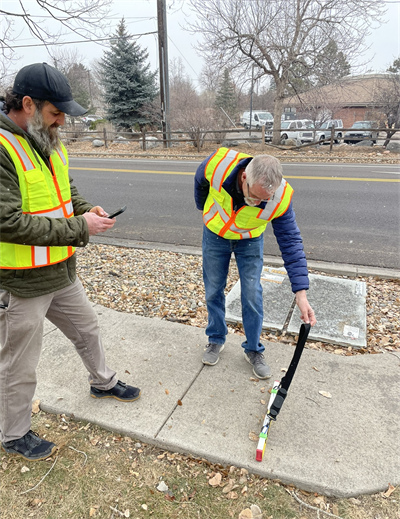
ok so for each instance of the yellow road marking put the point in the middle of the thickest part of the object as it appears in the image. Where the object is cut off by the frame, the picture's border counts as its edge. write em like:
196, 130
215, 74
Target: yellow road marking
353, 179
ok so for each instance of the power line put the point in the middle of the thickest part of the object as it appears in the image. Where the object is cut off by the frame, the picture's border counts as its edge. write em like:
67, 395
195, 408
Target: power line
81, 41
89, 19
198, 79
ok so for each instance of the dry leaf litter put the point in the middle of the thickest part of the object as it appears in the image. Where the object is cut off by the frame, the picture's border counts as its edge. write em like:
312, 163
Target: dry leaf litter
168, 285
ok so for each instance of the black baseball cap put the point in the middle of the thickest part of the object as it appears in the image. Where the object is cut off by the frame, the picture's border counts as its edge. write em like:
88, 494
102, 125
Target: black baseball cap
41, 81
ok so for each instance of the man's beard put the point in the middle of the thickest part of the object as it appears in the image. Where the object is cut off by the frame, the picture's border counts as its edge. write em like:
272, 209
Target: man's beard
47, 137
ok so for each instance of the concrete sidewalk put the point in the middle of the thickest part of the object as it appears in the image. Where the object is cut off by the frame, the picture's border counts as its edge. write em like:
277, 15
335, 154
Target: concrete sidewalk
342, 446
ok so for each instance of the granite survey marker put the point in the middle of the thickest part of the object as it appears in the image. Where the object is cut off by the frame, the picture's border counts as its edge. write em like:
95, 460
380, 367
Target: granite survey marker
339, 305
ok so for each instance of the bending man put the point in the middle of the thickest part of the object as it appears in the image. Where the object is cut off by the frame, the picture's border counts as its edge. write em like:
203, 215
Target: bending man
239, 195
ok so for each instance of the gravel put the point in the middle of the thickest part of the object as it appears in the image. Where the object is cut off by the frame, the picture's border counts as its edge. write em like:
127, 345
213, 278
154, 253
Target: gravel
168, 285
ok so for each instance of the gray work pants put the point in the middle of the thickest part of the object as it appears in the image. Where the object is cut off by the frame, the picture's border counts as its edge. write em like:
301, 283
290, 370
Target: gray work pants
21, 334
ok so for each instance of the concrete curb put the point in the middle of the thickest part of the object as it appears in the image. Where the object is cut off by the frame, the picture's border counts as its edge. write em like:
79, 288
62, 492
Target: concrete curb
341, 269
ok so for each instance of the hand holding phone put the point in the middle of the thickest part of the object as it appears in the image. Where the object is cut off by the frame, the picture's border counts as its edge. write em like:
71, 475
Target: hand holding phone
116, 213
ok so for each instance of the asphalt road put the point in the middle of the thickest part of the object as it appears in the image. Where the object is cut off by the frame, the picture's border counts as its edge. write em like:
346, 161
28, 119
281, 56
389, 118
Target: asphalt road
347, 213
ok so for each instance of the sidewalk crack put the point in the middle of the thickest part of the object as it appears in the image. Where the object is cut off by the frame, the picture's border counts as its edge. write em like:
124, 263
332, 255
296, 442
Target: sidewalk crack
176, 405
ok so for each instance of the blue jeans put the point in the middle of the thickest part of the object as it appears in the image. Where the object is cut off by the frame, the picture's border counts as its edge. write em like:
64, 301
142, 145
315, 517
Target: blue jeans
249, 258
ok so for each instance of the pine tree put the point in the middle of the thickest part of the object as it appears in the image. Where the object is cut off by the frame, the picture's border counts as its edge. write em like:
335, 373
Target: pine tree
128, 83
395, 66
331, 65
78, 77
226, 97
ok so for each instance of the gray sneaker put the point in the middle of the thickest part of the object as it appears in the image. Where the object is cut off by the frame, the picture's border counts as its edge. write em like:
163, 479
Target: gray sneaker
211, 353
260, 367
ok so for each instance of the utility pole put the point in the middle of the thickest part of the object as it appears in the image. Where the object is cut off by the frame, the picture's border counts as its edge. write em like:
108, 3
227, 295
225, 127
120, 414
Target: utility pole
251, 96
164, 77
90, 89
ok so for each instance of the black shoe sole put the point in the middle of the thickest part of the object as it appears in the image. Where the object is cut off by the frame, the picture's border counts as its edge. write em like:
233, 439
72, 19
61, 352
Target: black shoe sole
116, 398
31, 459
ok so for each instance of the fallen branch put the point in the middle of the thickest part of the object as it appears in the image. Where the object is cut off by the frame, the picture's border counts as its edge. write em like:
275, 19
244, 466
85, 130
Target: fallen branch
116, 510
391, 353
293, 494
308, 398
43, 478
81, 452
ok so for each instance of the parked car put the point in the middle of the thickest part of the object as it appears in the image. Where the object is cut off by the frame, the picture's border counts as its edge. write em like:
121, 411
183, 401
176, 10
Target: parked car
324, 131
88, 119
301, 129
258, 119
361, 131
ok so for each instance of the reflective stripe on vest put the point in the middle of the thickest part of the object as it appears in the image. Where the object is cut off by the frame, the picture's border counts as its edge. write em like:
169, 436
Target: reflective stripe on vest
222, 219
17, 256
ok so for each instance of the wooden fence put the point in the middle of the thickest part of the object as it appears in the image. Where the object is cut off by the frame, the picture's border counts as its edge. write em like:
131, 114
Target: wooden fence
198, 136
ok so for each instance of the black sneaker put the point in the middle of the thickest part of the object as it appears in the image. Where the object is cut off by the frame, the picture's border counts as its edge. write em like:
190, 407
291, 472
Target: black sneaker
30, 447
120, 391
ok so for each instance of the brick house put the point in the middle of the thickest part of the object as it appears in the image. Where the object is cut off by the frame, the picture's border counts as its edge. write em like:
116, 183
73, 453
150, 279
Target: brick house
353, 98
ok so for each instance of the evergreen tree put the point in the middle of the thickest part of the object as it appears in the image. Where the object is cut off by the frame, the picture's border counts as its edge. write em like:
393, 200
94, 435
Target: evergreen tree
78, 77
299, 79
226, 97
330, 65
128, 83
395, 66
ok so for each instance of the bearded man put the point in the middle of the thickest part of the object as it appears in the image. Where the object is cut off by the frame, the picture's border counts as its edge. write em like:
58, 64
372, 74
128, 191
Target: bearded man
43, 219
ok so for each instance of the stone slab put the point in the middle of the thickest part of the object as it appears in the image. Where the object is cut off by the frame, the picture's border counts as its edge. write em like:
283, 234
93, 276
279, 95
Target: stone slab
340, 308
277, 299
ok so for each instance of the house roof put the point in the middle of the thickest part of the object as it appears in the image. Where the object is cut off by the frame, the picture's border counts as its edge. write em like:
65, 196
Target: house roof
350, 91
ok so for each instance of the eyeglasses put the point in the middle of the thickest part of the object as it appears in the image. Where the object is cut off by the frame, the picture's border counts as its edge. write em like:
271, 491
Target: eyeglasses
258, 199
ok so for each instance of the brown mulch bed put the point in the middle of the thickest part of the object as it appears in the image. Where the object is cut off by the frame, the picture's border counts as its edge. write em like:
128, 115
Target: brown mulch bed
168, 285
341, 153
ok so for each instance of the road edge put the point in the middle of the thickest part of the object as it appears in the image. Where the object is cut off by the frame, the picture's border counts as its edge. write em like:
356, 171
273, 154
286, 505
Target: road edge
342, 269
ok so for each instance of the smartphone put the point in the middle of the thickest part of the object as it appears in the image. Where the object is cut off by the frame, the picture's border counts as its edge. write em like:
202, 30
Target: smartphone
116, 213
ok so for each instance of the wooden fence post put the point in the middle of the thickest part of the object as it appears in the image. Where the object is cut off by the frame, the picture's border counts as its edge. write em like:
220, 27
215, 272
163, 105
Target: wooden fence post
144, 140
105, 137
263, 137
198, 140
332, 137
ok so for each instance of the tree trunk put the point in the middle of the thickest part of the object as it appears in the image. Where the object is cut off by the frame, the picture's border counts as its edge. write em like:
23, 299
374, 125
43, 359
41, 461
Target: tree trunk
278, 107
389, 135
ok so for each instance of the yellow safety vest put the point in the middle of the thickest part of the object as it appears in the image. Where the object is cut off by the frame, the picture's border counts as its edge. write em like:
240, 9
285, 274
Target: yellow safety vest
247, 222
43, 193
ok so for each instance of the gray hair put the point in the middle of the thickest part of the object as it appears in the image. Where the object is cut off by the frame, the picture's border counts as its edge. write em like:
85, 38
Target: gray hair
266, 171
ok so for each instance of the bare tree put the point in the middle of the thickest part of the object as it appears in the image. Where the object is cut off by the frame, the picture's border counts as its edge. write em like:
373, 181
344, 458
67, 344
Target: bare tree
275, 35
318, 105
190, 112
210, 76
389, 101
183, 97
48, 21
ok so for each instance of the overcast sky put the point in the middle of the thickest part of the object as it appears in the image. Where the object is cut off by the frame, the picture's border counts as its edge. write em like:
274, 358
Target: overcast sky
141, 17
